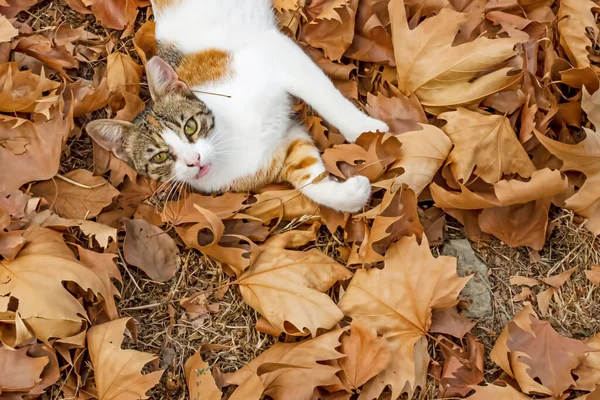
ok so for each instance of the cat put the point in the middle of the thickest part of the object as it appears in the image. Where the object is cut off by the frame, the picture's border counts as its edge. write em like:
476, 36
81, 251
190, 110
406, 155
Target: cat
246, 137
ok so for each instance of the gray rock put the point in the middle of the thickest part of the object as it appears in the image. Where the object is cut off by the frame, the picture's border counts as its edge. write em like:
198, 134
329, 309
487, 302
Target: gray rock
477, 291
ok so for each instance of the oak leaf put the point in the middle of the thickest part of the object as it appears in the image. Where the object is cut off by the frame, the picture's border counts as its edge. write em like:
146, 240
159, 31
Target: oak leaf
289, 370
287, 288
160, 264
200, 382
398, 301
44, 304
366, 355
82, 197
536, 356
117, 372
449, 81
574, 18
484, 144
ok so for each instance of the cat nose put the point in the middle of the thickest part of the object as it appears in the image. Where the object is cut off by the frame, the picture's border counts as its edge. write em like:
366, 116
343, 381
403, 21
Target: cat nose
192, 160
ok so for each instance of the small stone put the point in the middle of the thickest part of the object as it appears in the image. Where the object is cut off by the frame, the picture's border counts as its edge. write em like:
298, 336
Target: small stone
477, 291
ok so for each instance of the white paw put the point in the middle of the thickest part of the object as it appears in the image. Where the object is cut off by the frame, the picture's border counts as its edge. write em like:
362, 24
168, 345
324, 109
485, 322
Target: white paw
354, 194
365, 124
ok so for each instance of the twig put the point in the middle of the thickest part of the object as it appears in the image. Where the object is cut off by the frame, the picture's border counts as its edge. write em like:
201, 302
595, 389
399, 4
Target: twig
81, 185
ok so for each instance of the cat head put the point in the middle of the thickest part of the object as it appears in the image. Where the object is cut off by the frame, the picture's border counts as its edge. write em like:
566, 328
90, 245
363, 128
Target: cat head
170, 139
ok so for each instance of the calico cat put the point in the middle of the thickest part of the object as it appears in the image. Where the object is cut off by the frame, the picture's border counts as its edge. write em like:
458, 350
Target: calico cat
246, 139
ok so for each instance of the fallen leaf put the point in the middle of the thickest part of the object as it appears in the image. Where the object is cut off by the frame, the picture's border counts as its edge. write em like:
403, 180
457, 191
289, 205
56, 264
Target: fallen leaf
496, 392
543, 299
287, 288
557, 281
525, 342
574, 18
450, 322
200, 382
123, 73
161, 263
588, 371
398, 301
7, 30
112, 13
289, 370
144, 41
18, 371
366, 355
486, 145
449, 81
83, 196
117, 372
402, 114
593, 275
463, 368
523, 280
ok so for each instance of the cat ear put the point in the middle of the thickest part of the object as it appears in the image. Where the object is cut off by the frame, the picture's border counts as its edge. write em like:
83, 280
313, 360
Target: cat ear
162, 79
110, 134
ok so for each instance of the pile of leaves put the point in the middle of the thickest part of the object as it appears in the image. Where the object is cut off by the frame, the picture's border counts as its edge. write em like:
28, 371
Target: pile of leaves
494, 109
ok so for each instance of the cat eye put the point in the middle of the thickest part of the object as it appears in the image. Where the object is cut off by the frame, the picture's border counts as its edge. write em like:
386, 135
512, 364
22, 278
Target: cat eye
160, 157
191, 126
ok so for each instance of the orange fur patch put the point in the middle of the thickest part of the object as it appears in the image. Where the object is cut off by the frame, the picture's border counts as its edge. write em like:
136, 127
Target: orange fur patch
154, 122
206, 66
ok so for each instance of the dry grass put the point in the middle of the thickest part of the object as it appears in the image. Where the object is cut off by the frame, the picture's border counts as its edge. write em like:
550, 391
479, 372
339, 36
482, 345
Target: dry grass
165, 329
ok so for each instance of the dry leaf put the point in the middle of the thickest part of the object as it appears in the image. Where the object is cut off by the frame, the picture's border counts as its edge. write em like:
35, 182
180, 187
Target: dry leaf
543, 299
450, 322
574, 18
522, 280
366, 355
117, 372
82, 197
200, 382
287, 288
123, 73
589, 370
289, 370
557, 281
496, 392
160, 264
463, 368
398, 302
593, 275
7, 30
18, 371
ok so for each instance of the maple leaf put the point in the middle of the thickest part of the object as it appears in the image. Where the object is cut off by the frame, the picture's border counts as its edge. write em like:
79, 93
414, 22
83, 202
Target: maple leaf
289, 370
42, 142
22, 90
449, 81
366, 355
80, 196
332, 26
574, 18
117, 372
484, 144
536, 356
287, 288
200, 382
398, 301
497, 392
160, 264
123, 73
7, 30
47, 307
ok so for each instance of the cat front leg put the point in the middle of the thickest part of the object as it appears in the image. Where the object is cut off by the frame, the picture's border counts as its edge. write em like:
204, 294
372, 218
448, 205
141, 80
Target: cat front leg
304, 79
304, 169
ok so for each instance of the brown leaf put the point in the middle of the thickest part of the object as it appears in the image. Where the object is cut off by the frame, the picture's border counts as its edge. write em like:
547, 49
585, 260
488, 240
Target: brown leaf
524, 295
593, 275
574, 18
86, 97
372, 42
543, 299
287, 288
160, 264
112, 13
197, 305
144, 41
486, 145
332, 26
7, 30
18, 371
22, 90
200, 382
463, 368
496, 392
10, 8
366, 355
398, 301
450, 322
82, 197
123, 73
117, 372
526, 341
558, 280
42, 48
302, 370
11, 243
42, 143
35, 278
589, 370
420, 69
401, 113
522, 280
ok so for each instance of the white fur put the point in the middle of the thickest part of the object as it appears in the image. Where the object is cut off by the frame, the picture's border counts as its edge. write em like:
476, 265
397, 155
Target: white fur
256, 120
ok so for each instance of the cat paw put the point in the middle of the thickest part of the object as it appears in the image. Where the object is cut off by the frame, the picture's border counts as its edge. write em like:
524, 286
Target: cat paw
354, 194
365, 124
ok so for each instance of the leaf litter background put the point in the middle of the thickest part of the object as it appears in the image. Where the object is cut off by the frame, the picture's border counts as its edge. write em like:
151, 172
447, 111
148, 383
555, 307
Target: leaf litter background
494, 108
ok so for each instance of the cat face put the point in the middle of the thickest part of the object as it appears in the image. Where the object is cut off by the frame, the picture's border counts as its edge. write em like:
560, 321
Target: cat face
170, 139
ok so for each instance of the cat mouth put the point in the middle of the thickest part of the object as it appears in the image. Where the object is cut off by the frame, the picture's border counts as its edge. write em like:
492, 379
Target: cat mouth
204, 169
